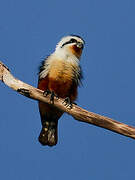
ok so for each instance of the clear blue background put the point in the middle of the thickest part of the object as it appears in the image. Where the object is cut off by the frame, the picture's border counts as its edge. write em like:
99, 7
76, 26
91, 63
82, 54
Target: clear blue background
29, 30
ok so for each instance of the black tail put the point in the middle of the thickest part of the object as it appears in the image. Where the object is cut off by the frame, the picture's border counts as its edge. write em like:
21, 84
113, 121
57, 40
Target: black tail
48, 134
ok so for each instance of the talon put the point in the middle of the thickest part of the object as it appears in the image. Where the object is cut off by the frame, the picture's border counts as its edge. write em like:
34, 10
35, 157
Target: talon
24, 91
52, 97
69, 106
57, 97
67, 102
46, 93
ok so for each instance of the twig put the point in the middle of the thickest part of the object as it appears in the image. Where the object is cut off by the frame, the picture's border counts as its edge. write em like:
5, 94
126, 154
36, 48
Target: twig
77, 112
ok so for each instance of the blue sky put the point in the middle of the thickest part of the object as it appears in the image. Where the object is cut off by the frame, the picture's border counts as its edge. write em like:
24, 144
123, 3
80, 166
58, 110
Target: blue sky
29, 30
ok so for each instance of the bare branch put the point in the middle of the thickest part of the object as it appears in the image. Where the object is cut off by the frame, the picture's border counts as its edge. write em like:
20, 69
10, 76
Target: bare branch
77, 112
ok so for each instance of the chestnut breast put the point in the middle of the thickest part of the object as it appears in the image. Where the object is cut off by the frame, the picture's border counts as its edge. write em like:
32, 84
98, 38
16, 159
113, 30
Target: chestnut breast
61, 78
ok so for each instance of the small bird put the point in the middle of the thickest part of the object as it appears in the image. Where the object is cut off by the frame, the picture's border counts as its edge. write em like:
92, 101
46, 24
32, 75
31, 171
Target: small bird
60, 74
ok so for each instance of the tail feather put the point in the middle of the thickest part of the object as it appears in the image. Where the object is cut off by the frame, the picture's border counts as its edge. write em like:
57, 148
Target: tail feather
48, 134
49, 119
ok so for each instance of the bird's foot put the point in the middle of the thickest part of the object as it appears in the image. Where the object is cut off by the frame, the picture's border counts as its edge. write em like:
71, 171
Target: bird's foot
52, 95
24, 91
46, 93
67, 102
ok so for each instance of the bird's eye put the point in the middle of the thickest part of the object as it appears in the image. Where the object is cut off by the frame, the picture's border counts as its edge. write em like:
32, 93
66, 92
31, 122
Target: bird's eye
73, 40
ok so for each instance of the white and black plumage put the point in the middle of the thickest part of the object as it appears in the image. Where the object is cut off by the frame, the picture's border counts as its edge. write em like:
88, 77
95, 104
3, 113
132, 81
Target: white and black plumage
59, 74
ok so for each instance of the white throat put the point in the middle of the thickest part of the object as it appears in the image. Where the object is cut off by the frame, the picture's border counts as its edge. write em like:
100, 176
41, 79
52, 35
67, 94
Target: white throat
65, 55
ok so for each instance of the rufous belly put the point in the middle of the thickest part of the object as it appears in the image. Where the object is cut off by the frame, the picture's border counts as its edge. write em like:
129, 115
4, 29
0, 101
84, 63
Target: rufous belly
60, 80
61, 88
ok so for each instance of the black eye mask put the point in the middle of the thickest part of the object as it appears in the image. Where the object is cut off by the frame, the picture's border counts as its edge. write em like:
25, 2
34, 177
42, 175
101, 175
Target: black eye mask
69, 42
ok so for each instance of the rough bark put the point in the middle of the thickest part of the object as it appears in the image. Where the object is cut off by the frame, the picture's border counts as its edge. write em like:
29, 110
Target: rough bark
77, 112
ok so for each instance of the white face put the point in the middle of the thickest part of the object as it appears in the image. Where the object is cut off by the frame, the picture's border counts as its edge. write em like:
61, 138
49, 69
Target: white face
69, 41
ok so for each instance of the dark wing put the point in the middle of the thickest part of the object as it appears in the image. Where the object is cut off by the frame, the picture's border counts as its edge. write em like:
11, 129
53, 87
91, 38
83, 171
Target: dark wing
78, 76
41, 66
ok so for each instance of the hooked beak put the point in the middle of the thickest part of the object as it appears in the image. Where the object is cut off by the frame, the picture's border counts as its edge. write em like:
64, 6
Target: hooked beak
79, 45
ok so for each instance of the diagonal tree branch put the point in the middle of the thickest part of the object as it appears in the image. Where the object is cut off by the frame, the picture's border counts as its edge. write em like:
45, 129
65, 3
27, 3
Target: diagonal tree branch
77, 112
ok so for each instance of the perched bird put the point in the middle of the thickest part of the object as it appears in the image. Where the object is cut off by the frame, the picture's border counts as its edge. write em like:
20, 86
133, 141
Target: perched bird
60, 74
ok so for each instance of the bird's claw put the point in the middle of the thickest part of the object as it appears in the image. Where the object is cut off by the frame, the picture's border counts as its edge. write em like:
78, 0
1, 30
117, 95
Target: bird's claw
52, 95
46, 93
24, 91
67, 102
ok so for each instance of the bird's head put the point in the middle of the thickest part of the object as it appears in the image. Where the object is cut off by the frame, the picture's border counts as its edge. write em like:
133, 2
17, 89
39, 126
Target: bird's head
72, 45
